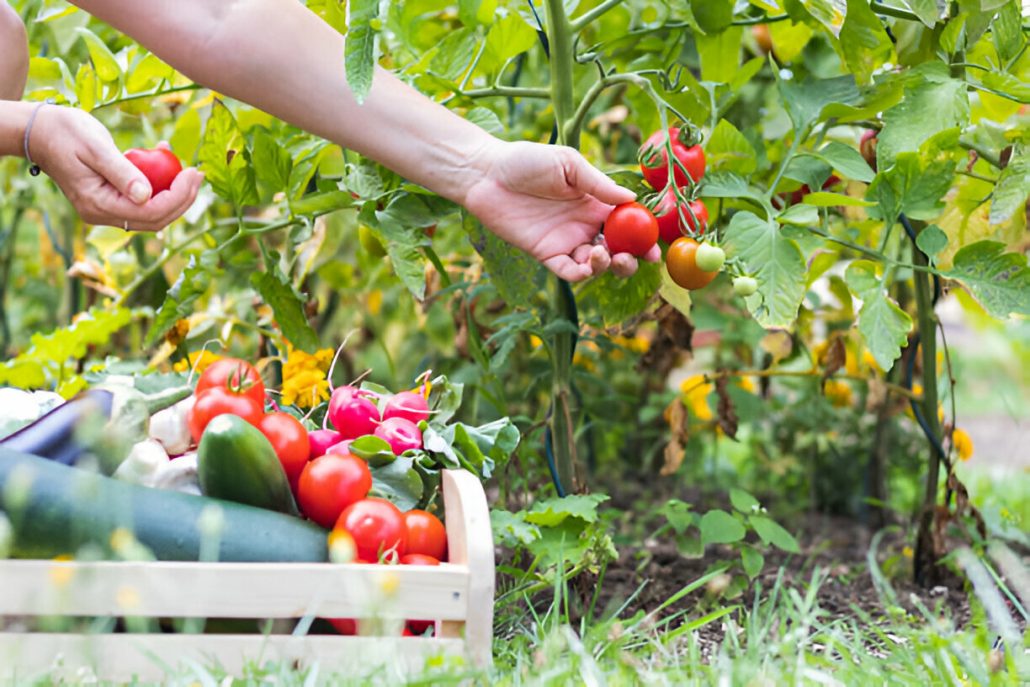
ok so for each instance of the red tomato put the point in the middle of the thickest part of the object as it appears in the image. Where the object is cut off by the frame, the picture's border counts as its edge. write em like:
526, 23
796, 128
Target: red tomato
630, 228
159, 166
418, 559
290, 441
867, 146
670, 227
219, 401
238, 376
345, 626
425, 535
681, 261
654, 160
377, 527
331, 483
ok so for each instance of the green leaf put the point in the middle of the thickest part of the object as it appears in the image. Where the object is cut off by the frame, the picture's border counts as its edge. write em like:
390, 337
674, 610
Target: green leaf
486, 119
516, 276
935, 103
288, 309
846, 160
620, 298
552, 512
191, 284
147, 73
752, 561
719, 52
104, 61
712, 16
674, 294
914, 184
398, 482
373, 450
332, 12
864, 42
805, 100
931, 240
360, 52
729, 150
729, 185
454, 54
272, 163
678, 515
719, 527
825, 199
883, 325
800, 215
222, 158
1004, 84
511, 529
1013, 187
1007, 31
743, 501
321, 203
403, 245
772, 533
508, 37
999, 281
789, 39
926, 10
775, 261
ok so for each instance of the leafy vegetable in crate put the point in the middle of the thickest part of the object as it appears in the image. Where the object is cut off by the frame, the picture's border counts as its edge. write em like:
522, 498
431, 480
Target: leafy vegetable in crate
236, 462
55, 510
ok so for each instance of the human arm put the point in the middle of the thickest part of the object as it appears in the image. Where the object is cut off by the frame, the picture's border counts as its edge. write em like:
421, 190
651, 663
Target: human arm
14, 54
546, 200
78, 153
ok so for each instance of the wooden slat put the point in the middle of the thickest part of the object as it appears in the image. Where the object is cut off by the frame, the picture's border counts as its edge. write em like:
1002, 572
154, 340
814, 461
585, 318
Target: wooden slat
471, 544
233, 590
26, 657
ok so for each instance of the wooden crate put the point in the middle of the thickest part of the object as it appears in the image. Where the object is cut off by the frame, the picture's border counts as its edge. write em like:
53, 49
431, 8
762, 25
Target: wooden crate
458, 594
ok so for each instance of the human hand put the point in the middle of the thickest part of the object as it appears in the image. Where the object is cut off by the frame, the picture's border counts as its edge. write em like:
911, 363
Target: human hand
550, 202
78, 153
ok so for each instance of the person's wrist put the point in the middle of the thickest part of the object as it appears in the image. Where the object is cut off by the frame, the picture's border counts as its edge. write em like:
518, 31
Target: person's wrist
476, 166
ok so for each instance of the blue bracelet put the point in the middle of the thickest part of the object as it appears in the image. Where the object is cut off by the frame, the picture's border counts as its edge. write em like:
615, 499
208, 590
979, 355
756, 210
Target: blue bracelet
33, 167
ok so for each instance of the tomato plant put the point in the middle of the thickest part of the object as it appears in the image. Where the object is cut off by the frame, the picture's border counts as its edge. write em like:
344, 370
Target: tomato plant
671, 225
630, 228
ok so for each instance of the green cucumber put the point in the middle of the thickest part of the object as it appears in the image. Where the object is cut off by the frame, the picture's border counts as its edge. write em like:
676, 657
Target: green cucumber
55, 510
235, 461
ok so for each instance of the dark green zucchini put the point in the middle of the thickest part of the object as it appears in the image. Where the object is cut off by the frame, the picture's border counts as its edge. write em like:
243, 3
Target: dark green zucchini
55, 510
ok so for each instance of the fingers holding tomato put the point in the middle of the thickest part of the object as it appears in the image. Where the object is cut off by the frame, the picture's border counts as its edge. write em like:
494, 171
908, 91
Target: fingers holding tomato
632, 229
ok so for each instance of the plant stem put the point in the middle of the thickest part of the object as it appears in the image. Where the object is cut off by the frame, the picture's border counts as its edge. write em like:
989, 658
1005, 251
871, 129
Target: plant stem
982, 152
149, 94
507, 92
155, 267
925, 558
575, 124
580, 22
897, 12
559, 36
791, 151
751, 21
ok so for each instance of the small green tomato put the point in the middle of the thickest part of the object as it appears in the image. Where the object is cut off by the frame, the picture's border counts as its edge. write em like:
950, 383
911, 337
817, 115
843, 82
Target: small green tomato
745, 286
709, 258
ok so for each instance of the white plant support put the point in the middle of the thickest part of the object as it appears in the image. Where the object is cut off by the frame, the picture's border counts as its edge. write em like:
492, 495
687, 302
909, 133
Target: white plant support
458, 594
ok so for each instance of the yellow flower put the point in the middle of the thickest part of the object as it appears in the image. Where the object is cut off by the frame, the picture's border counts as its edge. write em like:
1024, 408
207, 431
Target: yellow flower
695, 396
962, 443
838, 392
198, 360
535, 341
304, 377
907, 552
747, 385
375, 301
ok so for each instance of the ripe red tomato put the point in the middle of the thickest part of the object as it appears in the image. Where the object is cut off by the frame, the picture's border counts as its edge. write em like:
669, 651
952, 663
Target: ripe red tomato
425, 535
670, 227
418, 559
159, 166
347, 627
238, 376
377, 527
219, 401
329, 484
290, 441
654, 160
682, 265
630, 228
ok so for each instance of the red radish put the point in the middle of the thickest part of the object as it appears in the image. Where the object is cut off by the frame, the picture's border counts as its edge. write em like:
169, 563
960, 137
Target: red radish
407, 404
340, 449
401, 434
352, 414
321, 440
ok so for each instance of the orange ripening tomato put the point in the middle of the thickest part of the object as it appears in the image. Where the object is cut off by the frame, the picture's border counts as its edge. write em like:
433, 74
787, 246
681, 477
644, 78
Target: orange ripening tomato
681, 261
